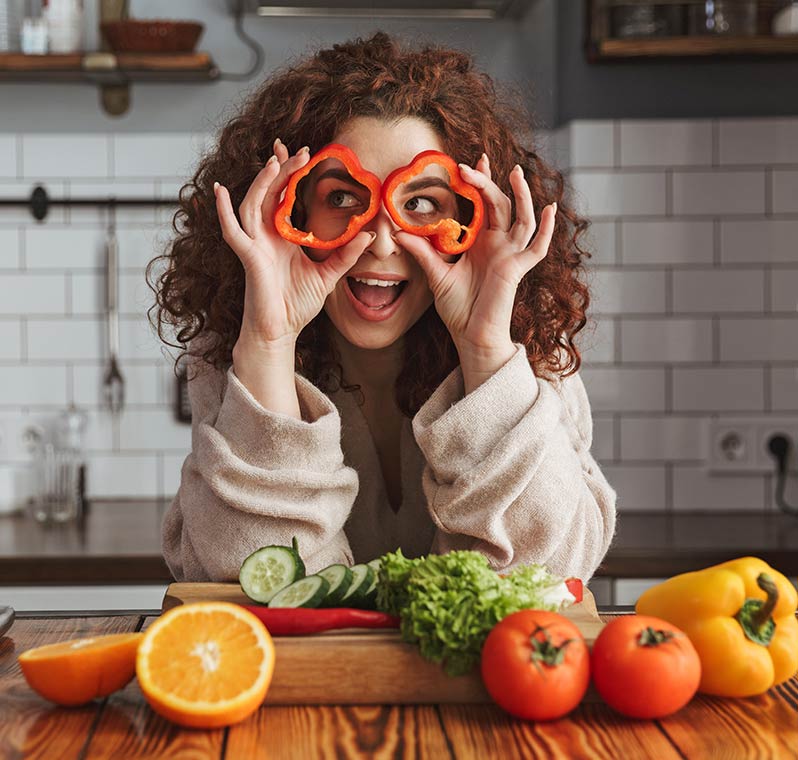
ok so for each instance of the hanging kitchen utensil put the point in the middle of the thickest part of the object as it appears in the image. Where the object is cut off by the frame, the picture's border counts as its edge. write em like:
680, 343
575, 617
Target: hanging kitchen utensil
114, 383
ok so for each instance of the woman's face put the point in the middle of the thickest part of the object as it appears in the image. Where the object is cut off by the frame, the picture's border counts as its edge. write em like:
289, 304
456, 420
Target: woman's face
373, 316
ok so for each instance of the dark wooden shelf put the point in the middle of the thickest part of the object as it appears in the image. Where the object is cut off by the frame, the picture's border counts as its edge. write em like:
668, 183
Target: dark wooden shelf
108, 68
695, 47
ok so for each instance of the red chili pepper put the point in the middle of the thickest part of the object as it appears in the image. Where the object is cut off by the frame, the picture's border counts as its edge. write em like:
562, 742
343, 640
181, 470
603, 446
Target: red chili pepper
447, 235
291, 621
282, 217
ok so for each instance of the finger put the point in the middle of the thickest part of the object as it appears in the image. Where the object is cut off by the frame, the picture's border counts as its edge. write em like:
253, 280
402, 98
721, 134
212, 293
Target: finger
483, 165
272, 196
233, 235
539, 247
280, 150
337, 264
249, 210
524, 227
428, 258
498, 204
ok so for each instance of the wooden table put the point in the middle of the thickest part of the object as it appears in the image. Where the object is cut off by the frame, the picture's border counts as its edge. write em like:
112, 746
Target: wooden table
123, 726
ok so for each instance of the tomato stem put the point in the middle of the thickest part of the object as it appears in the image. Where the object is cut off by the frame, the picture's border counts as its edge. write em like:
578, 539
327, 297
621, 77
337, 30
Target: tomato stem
649, 637
544, 651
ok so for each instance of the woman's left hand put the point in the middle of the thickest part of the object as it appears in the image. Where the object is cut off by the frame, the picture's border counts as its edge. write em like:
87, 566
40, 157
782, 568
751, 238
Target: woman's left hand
474, 296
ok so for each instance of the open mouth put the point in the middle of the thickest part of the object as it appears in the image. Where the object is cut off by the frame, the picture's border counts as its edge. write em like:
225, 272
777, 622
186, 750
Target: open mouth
376, 297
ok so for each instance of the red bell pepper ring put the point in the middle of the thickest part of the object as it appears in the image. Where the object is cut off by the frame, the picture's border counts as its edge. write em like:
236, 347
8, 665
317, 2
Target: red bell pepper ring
447, 235
299, 621
282, 217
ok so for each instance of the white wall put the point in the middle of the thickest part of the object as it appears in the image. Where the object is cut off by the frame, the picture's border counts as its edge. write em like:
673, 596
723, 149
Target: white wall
694, 281
695, 296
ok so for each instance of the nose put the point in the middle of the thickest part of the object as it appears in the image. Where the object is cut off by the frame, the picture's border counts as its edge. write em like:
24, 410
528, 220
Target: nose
383, 225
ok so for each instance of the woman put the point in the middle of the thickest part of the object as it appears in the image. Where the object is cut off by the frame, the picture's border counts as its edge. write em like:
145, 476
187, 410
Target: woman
359, 416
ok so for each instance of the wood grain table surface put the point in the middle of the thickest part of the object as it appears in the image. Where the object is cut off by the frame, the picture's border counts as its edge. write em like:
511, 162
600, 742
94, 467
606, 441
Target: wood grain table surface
124, 727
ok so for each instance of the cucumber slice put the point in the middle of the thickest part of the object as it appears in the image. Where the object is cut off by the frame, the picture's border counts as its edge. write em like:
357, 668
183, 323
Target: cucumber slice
306, 592
362, 578
270, 569
370, 597
340, 579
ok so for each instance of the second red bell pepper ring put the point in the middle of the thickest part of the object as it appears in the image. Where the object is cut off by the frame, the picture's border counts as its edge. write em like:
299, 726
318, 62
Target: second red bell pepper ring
448, 235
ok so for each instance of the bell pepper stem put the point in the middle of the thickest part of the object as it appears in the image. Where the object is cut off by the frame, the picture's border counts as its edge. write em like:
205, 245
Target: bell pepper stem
765, 582
755, 615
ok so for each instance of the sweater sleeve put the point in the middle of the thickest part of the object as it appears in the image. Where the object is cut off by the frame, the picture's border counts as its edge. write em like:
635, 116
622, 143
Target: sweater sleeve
509, 471
255, 478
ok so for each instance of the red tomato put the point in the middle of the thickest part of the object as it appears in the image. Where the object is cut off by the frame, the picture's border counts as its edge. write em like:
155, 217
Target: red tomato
536, 665
644, 667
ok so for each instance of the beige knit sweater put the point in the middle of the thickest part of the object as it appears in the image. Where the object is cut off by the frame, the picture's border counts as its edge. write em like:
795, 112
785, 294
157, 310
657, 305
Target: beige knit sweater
505, 470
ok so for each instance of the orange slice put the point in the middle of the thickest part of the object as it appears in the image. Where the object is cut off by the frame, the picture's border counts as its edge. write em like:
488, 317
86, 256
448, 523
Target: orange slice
206, 665
75, 672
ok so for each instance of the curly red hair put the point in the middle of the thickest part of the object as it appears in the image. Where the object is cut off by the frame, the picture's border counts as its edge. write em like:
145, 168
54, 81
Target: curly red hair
200, 293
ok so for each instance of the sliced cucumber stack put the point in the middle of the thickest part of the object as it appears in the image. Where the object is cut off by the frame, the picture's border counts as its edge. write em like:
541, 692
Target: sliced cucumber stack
270, 569
362, 578
340, 579
370, 600
306, 592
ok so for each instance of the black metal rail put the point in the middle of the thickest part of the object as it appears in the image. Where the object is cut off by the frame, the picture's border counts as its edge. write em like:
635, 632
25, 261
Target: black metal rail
39, 202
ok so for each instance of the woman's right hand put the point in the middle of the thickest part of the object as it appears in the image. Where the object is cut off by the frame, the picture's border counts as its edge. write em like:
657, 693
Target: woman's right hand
284, 289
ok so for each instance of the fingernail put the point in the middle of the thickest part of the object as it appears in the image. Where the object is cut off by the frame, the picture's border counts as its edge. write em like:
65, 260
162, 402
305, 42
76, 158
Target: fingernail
277, 142
303, 149
215, 187
485, 156
271, 160
517, 168
554, 206
466, 168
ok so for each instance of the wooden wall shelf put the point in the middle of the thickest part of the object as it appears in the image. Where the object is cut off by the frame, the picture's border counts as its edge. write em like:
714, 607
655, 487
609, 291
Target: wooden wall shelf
694, 47
108, 68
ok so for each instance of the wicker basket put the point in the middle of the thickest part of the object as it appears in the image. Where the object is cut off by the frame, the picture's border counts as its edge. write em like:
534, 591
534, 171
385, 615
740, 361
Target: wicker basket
151, 36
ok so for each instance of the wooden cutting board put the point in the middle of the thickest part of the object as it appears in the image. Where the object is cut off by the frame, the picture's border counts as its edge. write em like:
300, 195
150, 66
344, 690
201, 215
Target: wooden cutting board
363, 666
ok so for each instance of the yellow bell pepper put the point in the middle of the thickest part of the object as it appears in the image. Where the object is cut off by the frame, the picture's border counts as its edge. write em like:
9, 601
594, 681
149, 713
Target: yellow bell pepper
740, 616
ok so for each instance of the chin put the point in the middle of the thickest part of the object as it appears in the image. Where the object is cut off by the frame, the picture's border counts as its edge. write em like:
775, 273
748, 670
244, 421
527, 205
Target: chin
372, 337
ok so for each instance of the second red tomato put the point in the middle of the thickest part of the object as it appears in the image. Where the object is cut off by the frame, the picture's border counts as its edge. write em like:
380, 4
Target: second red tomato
644, 667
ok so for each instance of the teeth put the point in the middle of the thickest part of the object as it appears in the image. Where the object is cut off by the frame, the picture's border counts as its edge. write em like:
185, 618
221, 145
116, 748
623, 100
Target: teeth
381, 283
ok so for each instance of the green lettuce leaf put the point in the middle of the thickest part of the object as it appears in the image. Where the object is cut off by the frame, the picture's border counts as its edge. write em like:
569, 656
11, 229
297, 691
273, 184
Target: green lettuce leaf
449, 603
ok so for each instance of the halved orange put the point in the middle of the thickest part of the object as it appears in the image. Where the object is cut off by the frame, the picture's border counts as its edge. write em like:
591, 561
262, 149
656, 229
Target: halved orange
74, 672
206, 665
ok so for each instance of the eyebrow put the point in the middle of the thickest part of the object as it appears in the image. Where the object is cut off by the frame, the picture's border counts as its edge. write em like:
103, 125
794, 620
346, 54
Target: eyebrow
340, 174
425, 182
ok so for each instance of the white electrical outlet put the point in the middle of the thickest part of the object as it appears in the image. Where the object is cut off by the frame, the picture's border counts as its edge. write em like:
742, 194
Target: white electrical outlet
741, 444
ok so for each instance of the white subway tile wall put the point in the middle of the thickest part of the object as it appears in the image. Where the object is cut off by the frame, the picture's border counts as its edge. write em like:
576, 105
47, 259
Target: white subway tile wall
52, 315
698, 286
785, 191
694, 285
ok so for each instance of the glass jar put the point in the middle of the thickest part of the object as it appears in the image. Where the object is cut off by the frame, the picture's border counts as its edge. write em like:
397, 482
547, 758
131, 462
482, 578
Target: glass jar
60, 471
732, 17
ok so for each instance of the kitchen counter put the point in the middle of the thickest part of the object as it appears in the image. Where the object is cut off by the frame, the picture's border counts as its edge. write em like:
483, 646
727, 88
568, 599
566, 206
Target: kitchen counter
123, 725
119, 542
